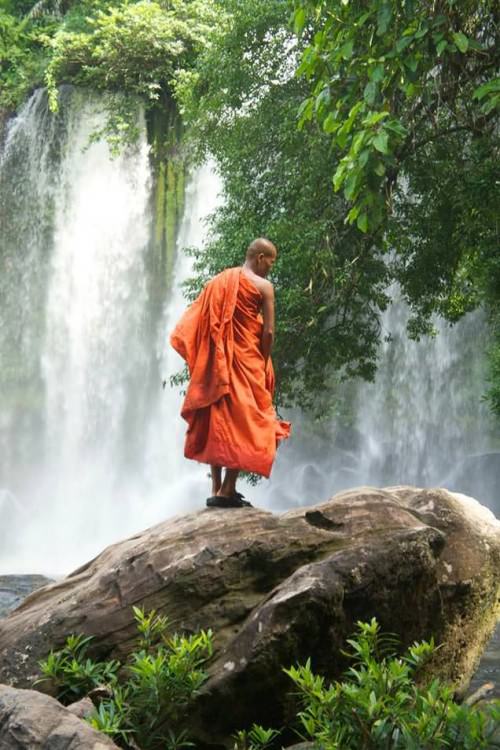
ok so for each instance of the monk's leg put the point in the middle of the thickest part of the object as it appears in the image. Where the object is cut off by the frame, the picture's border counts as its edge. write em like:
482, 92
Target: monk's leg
216, 474
228, 487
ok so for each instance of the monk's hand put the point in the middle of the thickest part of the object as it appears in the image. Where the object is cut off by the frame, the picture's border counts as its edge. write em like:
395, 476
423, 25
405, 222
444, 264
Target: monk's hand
269, 377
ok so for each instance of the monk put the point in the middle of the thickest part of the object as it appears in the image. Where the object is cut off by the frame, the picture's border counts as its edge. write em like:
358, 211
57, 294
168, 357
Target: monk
226, 337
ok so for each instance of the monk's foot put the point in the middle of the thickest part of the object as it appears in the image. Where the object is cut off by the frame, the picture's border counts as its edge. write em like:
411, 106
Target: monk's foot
230, 501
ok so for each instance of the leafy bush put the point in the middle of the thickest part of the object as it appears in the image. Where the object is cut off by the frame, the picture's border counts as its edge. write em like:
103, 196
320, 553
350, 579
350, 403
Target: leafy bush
72, 673
149, 695
23, 58
256, 738
380, 706
136, 49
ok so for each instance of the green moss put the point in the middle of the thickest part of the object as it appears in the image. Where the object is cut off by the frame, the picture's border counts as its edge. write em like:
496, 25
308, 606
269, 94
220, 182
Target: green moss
165, 137
171, 218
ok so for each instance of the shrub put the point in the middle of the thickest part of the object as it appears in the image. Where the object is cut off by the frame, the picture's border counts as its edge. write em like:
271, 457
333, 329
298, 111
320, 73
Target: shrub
149, 695
256, 738
380, 706
136, 49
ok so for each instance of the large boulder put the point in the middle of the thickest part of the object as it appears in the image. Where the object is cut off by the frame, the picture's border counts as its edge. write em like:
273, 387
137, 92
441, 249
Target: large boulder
276, 589
32, 721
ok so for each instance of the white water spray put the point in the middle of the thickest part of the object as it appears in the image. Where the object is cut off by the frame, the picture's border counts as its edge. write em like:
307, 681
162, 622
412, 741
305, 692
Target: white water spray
96, 345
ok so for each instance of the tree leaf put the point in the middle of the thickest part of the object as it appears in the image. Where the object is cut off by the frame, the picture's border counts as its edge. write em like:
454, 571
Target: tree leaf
381, 142
370, 92
384, 17
375, 117
338, 177
362, 222
353, 214
421, 33
487, 88
346, 49
377, 74
461, 41
411, 63
351, 186
363, 157
441, 46
403, 43
331, 124
299, 20
323, 99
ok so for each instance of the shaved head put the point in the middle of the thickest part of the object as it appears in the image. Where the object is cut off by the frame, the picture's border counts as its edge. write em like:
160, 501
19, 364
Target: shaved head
260, 245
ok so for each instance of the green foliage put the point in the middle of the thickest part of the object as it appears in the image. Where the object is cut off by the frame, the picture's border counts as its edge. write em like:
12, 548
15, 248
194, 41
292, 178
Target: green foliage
72, 673
22, 57
136, 48
396, 105
256, 738
149, 695
408, 94
380, 704
387, 78
330, 287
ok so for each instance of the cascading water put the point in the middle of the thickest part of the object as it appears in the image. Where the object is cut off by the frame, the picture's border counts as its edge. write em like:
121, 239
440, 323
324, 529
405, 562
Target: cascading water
95, 353
425, 412
90, 452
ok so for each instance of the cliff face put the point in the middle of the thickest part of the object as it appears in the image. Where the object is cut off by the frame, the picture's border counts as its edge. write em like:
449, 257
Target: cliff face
169, 175
277, 589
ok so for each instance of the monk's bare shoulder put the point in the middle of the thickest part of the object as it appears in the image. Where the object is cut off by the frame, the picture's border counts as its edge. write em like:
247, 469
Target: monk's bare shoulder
263, 285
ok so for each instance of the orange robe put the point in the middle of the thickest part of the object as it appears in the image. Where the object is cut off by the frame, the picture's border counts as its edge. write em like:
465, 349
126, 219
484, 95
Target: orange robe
228, 404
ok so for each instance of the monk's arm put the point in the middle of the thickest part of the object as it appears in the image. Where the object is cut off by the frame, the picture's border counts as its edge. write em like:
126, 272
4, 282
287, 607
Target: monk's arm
268, 316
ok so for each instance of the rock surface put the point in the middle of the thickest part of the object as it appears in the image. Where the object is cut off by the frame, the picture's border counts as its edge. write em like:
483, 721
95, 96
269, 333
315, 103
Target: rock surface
15, 588
82, 708
276, 589
32, 721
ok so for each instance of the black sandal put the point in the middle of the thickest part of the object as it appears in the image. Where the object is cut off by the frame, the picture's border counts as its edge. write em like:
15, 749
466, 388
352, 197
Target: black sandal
244, 503
233, 501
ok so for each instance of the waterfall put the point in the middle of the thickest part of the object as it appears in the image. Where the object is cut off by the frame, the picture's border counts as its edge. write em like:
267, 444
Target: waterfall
95, 355
424, 412
90, 443
89, 452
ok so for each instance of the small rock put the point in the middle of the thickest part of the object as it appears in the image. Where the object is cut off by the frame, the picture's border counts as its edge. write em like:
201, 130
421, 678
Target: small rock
82, 708
32, 721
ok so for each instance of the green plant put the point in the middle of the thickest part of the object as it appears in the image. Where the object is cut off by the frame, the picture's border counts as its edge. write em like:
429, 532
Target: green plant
149, 695
256, 738
380, 75
380, 705
137, 49
72, 673
112, 717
